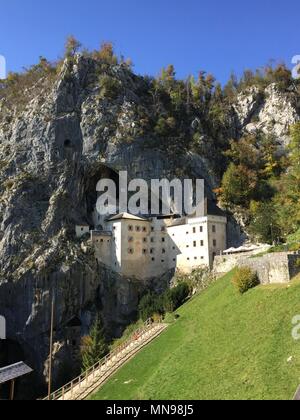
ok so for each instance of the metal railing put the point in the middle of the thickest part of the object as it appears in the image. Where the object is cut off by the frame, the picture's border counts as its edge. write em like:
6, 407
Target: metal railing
108, 362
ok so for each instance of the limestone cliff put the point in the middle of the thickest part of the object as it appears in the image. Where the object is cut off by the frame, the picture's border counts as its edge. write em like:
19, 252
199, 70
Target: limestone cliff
54, 147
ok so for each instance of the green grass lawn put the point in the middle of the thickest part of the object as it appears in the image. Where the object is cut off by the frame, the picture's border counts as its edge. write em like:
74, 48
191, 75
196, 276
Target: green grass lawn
224, 346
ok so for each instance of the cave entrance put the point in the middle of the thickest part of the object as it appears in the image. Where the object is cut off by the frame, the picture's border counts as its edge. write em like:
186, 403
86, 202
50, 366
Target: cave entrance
102, 172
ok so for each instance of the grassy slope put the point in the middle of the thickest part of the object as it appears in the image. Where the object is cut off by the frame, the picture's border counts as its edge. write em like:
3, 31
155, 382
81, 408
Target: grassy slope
224, 346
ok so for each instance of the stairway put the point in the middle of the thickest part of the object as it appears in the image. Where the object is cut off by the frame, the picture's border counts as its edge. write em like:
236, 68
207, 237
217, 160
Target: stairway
83, 386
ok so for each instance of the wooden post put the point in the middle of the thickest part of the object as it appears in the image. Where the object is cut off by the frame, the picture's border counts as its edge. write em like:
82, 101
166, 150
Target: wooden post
12, 390
51, 348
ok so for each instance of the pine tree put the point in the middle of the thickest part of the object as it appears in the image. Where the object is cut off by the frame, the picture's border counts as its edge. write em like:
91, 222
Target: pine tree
93, 346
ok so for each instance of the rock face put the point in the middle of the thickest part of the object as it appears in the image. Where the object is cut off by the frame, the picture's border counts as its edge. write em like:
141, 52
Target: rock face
269, 112
52, 154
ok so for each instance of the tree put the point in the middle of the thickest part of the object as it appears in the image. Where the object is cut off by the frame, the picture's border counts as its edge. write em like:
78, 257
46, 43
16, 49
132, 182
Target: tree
288, 197
72, 46
106, 54
93, 346
264, 225
238, 185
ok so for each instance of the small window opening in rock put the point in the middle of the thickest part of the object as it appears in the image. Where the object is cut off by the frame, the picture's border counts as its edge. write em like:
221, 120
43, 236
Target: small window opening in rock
68, 143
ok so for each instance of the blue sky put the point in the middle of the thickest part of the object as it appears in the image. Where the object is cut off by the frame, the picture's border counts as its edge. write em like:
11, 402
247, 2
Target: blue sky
217, 36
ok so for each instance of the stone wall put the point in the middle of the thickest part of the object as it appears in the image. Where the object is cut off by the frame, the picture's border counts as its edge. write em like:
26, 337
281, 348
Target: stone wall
274, 268
225, 263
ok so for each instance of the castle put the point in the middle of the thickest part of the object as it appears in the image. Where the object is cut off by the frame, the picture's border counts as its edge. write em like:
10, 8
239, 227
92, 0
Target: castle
147, 247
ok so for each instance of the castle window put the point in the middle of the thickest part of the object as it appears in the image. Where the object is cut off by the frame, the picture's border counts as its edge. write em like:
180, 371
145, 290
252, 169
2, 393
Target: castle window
138, 228
187, 233
130, 251
195, 258
163, 251
187, 246
214, 243
163, 240
130, 228
153, 259
152, 250
152, 240
195, 244
144, 229
145, 240
145, 251
201, 229
130, 239
102, 240
214, 229
202, 243
188, 259
162, 261
194, 230
174, 259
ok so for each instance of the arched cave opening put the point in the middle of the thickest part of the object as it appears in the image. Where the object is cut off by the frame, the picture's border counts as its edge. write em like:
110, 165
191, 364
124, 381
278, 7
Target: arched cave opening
92, 179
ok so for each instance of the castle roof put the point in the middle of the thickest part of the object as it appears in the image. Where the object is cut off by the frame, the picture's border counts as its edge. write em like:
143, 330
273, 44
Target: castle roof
127, 216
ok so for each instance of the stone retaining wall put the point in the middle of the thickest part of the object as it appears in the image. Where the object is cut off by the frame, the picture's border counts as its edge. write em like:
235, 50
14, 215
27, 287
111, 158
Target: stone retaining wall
225, 263
279, 267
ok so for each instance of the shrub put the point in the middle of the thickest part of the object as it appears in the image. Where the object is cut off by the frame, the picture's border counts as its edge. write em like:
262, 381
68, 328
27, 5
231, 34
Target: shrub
245, 279
174, 298
109, 87
150, 304
153, 305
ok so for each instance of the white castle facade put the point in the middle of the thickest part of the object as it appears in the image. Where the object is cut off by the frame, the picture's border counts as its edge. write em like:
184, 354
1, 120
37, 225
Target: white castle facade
144, 248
